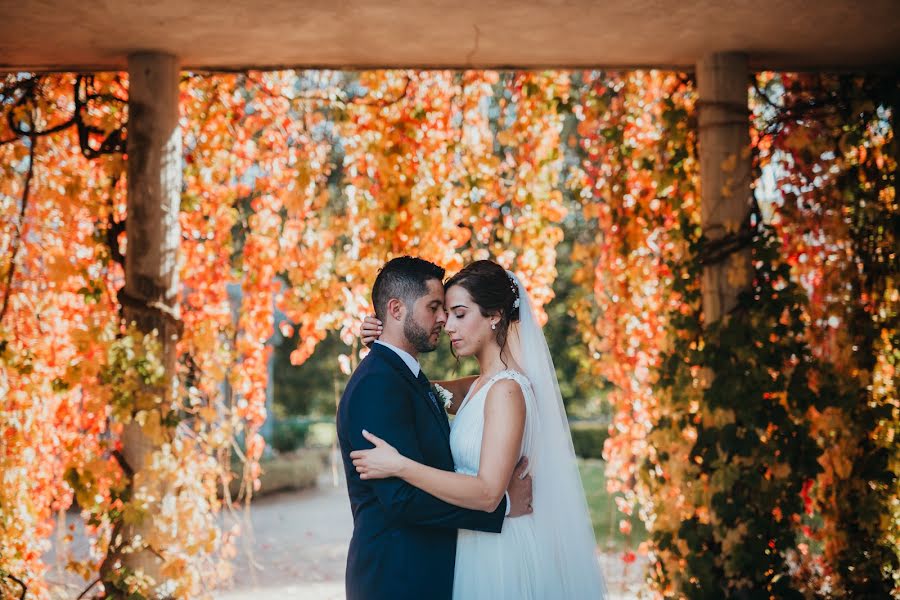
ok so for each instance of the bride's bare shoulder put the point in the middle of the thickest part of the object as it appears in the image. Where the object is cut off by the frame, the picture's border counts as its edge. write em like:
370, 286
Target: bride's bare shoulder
506, 389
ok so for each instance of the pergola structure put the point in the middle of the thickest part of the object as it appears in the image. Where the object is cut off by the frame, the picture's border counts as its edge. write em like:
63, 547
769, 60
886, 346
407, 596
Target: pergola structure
239, 34
722, 42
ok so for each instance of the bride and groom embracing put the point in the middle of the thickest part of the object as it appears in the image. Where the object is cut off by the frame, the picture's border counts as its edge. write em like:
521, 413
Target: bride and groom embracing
491, 507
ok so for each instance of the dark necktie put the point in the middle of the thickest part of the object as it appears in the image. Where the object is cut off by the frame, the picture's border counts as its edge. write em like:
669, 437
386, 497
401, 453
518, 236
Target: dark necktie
434, 400
427, 386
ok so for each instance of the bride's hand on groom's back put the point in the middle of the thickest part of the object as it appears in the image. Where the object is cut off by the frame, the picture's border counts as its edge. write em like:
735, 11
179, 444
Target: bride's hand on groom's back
519, 491
370, 331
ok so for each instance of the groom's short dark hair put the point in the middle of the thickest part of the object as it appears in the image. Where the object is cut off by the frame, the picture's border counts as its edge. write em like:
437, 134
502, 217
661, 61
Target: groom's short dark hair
406, 278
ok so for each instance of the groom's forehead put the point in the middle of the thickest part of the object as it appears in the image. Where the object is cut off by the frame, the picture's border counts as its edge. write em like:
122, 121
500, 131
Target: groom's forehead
435, 290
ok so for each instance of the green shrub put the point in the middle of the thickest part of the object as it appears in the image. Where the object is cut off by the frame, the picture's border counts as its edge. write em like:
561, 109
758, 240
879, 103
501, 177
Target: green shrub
289, 435
322, 434
296, 471
588, 438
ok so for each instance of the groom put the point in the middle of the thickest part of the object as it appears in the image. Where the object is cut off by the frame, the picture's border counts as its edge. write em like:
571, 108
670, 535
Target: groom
404, 540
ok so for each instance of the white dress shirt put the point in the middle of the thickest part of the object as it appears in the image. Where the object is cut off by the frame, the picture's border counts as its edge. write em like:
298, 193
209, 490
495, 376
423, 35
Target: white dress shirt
408, 358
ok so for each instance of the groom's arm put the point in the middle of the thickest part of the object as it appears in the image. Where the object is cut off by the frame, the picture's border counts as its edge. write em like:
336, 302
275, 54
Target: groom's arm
383, 409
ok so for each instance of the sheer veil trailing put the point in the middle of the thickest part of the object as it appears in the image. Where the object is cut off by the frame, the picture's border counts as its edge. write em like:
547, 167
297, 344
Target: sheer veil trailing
561, 514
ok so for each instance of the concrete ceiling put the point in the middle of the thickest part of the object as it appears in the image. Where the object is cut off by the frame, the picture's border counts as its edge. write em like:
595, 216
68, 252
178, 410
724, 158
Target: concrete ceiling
237, 34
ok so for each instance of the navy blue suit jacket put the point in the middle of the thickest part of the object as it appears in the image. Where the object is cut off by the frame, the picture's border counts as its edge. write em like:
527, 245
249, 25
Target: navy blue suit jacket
404, 540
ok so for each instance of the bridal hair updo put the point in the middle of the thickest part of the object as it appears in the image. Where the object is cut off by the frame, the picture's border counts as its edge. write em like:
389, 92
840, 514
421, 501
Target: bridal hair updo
493, 290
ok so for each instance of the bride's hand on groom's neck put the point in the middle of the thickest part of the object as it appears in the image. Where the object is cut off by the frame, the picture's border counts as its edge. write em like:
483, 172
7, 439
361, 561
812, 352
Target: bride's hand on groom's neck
371, 330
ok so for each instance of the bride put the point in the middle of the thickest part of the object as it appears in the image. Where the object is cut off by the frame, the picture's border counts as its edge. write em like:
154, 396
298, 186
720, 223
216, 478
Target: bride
512, 409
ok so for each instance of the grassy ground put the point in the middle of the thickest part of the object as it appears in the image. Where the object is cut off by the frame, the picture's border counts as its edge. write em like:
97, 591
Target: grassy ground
603, 510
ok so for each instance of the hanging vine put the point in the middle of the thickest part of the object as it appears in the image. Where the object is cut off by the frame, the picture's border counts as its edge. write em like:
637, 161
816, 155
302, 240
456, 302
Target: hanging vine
830, 140
760, 451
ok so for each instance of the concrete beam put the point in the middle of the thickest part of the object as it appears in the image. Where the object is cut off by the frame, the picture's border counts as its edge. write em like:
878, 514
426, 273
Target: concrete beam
239, 34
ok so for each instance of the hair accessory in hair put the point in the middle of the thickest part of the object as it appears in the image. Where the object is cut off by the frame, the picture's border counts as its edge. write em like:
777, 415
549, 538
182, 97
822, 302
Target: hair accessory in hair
515, 290
513, 286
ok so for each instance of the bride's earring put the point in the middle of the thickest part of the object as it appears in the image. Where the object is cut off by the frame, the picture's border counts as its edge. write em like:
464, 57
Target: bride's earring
493, 326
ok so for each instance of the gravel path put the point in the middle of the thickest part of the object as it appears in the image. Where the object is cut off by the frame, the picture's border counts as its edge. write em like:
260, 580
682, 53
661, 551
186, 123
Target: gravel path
301, 547
298, 548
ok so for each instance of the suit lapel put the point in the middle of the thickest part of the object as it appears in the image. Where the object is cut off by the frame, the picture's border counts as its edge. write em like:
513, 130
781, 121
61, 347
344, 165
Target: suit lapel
423, 388
434, 403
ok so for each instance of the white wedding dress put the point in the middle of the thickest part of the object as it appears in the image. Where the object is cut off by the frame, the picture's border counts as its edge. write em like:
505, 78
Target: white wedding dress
488, 565
550, 554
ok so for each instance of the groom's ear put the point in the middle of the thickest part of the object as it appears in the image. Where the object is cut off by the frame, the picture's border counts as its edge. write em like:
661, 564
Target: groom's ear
395, 309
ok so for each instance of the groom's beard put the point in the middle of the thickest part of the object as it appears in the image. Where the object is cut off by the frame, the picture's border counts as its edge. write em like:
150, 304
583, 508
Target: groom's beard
418, 336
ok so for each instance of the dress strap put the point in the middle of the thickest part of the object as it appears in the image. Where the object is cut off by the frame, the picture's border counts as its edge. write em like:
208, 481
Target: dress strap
505, 374
508, 374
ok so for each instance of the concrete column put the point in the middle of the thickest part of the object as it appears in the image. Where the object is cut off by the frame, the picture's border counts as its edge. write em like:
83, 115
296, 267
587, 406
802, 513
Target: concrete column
725, 167
151, 267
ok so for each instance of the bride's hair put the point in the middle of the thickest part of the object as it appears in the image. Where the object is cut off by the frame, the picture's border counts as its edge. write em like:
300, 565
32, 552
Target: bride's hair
493, 290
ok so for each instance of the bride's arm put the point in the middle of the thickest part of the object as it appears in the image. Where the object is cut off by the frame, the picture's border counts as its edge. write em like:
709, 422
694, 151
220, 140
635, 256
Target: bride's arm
459, 388
504, 424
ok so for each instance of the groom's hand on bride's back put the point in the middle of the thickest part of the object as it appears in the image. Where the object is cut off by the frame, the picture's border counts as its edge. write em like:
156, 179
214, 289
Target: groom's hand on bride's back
519, 491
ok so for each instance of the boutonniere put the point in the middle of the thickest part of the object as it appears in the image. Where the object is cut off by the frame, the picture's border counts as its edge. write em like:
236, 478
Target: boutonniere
443, 394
